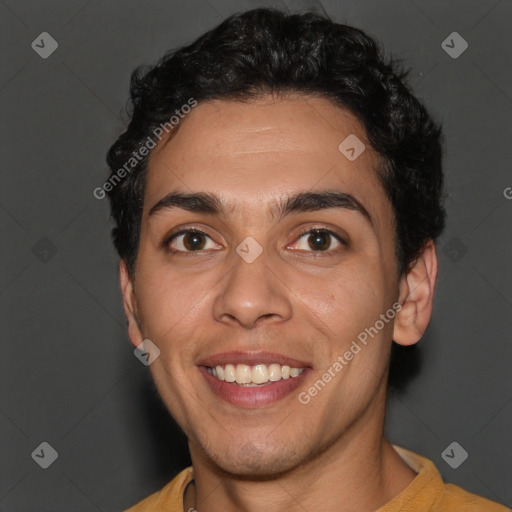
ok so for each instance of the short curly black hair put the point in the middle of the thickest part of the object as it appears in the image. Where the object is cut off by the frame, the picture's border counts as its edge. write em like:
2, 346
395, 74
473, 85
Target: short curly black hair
264, 51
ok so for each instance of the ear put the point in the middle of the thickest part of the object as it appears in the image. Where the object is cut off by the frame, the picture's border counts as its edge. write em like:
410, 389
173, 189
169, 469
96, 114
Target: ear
130, 305
417, 288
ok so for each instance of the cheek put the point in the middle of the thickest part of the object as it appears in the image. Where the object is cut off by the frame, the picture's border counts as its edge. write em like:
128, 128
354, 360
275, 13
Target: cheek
170, 301
346, 300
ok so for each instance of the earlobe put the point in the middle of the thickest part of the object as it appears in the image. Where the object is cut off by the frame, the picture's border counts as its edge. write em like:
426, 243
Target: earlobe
129, 304
417, 289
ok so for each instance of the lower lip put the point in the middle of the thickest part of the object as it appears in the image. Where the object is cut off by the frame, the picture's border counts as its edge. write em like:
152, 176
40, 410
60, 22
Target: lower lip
255, 396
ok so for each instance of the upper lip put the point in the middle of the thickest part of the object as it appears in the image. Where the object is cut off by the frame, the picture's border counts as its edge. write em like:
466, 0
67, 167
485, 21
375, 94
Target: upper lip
250, 358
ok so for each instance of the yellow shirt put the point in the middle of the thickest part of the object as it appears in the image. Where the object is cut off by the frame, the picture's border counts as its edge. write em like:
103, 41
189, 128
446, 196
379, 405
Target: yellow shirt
426, 493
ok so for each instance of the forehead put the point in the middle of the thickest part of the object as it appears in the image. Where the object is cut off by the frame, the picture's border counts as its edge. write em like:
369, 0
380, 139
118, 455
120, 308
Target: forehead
250, 153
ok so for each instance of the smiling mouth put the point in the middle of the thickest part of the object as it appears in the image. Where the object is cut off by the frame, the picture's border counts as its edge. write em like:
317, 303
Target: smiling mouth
253, 375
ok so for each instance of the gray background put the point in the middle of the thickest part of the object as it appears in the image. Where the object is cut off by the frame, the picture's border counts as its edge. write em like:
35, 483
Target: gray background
68, 373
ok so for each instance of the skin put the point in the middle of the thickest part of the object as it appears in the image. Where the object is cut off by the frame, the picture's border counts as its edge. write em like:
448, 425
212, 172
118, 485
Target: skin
293, 300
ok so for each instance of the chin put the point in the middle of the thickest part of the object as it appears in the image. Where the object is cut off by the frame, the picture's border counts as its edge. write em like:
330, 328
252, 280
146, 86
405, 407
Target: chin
250, 462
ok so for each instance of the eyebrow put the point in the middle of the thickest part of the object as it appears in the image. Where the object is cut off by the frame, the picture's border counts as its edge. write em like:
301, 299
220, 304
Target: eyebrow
211, 204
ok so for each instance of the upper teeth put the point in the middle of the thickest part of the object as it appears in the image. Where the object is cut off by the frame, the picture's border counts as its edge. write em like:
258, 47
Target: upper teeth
257, 374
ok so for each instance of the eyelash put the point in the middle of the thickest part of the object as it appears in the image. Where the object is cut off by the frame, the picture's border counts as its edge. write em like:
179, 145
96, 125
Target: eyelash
166, 242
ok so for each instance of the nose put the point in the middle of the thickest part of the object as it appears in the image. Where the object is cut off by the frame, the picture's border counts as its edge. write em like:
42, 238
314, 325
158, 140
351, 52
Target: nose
252, 294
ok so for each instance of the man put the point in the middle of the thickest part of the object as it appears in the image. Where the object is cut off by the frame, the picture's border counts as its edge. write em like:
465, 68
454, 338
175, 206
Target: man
277, 196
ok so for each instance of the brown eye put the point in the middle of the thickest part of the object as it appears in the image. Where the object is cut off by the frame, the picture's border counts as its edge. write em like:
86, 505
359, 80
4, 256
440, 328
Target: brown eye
189, 240
193, 241
319, 240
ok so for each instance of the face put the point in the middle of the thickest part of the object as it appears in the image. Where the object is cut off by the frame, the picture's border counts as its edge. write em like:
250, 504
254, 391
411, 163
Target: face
259, 283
